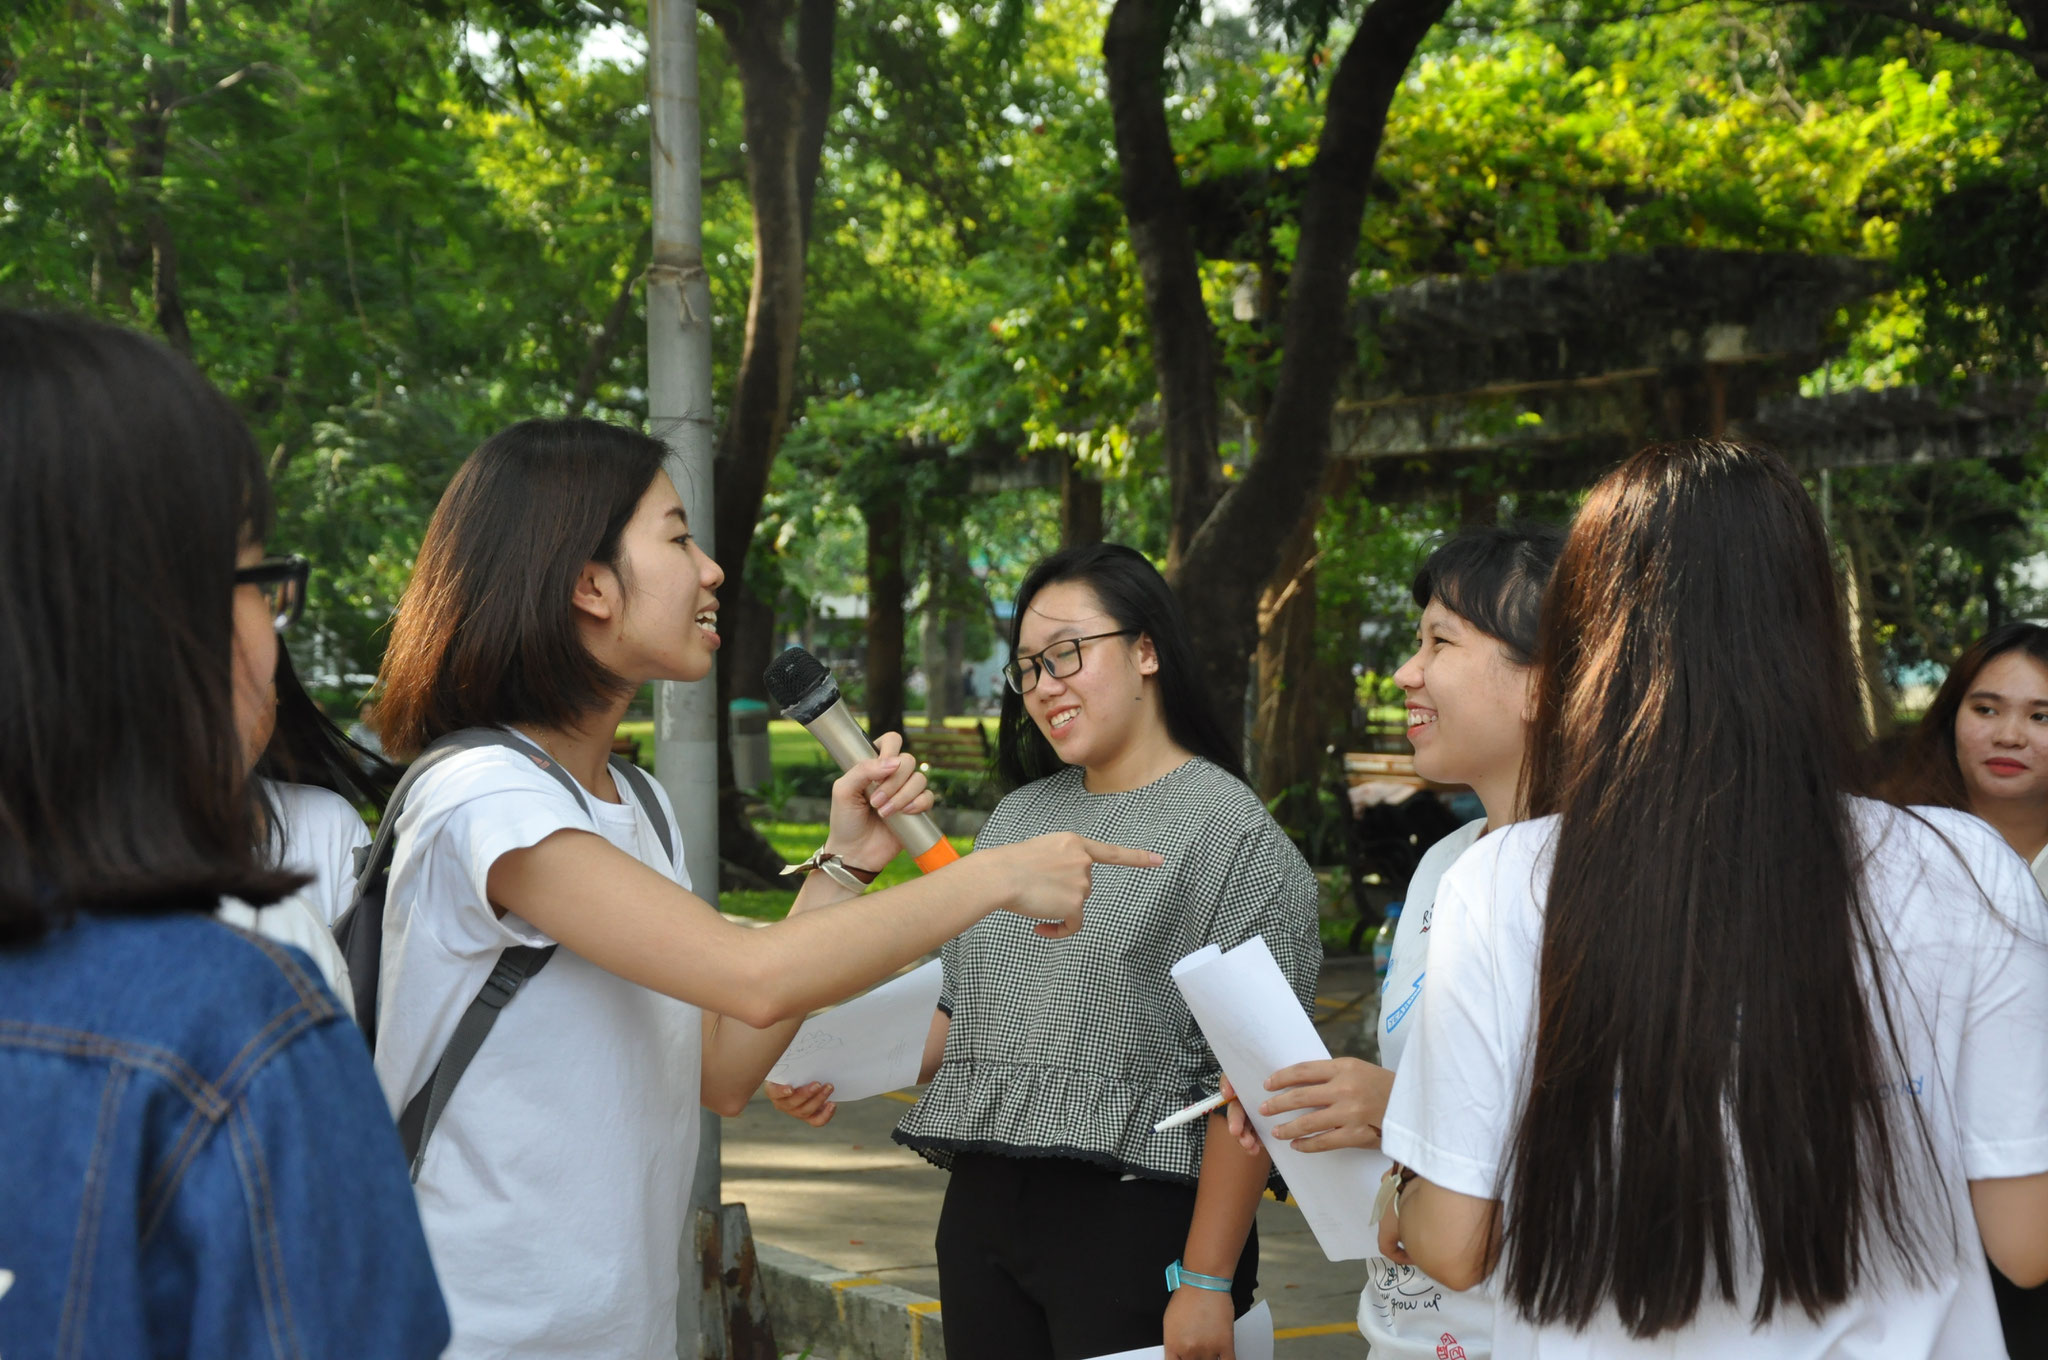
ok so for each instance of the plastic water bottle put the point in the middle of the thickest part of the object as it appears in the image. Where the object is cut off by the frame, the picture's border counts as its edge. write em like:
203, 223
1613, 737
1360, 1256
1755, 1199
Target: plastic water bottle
1383, 943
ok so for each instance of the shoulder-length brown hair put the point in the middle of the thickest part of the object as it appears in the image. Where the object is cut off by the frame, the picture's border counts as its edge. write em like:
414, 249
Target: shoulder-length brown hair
485, 634
1927, 771
126, 484
1705, 1044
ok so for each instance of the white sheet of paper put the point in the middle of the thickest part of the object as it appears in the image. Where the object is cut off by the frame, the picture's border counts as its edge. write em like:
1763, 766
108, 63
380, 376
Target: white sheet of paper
871, 1044
1255, 1024
1253, 1334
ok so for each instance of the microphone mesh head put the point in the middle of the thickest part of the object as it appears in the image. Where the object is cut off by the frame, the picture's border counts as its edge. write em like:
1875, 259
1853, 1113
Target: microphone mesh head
795, 680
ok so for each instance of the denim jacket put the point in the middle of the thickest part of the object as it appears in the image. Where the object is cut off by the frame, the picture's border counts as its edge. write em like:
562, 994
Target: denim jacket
195, 1158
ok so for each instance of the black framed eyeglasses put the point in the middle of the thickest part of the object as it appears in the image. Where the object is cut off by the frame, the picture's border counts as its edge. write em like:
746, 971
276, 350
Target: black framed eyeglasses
1059, 661
283, 583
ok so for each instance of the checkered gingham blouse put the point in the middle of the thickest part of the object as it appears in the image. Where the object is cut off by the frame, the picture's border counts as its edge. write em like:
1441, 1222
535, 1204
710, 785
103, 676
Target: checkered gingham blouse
1076, 1047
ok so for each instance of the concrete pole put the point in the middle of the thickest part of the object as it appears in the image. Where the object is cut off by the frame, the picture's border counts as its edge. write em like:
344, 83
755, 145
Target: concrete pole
679, 412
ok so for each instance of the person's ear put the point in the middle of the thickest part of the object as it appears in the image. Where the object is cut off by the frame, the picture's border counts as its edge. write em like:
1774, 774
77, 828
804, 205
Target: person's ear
1147, 655
1528, 696
596, 593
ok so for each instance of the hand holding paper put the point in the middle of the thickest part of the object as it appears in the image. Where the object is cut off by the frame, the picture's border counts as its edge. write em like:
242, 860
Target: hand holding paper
871, 1044
1253, 1021
1252, 1336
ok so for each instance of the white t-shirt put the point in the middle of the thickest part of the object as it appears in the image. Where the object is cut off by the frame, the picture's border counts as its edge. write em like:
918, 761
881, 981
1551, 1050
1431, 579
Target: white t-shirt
555, 1186
1402, 1312
2040, 867
1970, 991
320, 833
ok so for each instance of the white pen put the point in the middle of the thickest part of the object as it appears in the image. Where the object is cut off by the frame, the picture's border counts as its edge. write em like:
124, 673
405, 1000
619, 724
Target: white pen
1192, 1112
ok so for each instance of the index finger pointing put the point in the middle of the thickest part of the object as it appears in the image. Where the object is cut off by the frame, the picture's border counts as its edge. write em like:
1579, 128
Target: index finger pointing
1102, 852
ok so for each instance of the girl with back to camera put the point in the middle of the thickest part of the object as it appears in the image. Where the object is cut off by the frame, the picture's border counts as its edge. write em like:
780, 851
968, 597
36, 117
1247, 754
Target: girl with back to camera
1470, 695
1982, 747
198, 1160
1050, 1062
1716, 1056
309, 778
558, 576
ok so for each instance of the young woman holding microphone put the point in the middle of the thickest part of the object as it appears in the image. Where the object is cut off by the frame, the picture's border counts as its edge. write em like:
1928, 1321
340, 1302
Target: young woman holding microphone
557, 577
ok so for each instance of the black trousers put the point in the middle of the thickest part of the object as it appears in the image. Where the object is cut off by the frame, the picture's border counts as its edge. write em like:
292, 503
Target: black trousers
1048, 1258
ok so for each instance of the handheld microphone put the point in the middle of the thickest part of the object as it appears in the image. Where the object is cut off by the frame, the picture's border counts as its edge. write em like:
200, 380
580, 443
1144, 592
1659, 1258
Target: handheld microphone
806, 691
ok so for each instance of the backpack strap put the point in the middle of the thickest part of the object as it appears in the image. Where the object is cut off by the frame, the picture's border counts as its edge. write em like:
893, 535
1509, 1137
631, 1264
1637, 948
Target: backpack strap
515, 967
360, 929
636, 779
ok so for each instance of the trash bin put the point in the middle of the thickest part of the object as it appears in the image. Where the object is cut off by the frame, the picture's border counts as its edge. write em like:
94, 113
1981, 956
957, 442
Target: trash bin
748, 719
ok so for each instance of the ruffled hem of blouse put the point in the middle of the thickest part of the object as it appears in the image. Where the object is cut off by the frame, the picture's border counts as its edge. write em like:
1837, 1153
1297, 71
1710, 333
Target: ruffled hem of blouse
1030, 1111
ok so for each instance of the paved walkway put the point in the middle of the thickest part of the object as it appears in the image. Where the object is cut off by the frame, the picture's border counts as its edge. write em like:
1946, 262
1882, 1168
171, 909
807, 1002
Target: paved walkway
847, 1195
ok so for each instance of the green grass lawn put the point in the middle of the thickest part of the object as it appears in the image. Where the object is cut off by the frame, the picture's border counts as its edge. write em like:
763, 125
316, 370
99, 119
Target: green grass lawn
788, 744
795, 841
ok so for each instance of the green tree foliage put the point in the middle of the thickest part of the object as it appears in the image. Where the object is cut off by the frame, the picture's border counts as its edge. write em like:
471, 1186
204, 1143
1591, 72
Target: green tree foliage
389, 229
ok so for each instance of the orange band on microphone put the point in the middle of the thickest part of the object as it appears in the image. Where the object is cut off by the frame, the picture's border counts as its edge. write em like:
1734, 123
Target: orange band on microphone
938, 857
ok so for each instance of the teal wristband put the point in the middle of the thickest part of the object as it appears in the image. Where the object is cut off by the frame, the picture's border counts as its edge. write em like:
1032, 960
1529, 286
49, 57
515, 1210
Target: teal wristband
1176, 1277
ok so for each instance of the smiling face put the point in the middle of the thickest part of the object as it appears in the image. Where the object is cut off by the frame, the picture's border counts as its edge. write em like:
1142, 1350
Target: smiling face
2002, 731
654, 617
1468, 707
1095, 715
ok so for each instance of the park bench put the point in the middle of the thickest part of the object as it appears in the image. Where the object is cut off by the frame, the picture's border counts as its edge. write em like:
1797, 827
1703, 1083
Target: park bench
961, 749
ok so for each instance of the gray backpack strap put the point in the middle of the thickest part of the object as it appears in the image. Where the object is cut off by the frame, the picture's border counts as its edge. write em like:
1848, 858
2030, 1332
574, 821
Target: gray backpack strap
360, 931
416, 1125
516, 966
643, 789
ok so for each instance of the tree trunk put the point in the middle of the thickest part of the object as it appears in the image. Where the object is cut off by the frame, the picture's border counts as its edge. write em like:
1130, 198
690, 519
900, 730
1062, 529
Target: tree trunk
938, 694
885, 616
783, 117
1183, 340
1224, 555
1080, 506
1302, 702
154, 144
607, 338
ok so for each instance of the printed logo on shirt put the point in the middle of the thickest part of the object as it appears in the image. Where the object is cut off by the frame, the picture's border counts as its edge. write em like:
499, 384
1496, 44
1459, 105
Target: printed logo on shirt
1447, 1348
1915, 1086
1427, 913
1400, 1012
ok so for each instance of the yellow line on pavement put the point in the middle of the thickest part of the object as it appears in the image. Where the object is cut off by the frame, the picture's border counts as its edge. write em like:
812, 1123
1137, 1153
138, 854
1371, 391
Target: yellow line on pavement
922, 1309
904, 1096
857, 1282
1326, 1329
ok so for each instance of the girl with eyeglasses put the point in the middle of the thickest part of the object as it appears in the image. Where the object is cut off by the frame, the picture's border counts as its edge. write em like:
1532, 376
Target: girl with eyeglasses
199, 1162
1050, 1061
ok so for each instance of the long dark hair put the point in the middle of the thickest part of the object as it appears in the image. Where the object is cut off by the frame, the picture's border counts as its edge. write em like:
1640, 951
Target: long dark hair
484, 634
126, 486
307, 748
1927, 770
1493, 577
1134, 594
1705, 938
